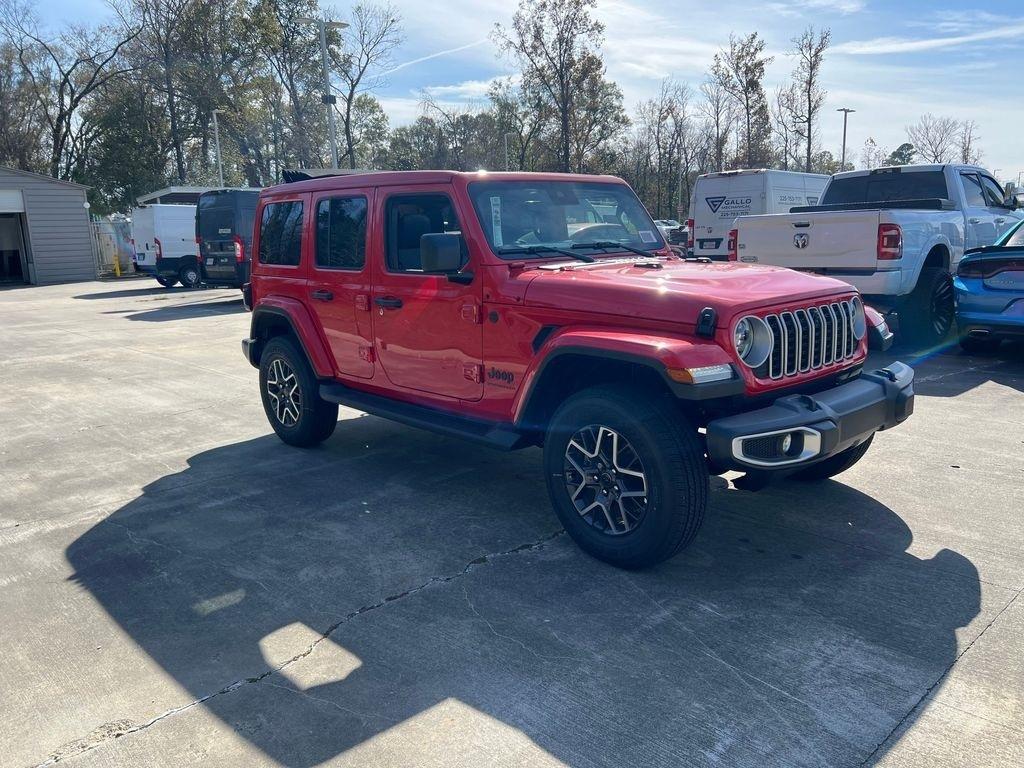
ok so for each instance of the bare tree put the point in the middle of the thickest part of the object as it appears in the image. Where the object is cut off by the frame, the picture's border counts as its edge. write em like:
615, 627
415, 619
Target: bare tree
872, 155
63, 73
806, 97
374, 33
717, 108
934, 138
740, 71
785, 135
967, 143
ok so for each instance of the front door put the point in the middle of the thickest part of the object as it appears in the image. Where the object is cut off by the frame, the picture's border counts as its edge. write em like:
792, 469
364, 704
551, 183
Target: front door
12, 249
980, 228
427, 328
339, 278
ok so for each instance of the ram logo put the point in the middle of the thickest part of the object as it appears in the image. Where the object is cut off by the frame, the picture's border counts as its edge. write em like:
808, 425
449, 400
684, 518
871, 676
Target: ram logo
801, 240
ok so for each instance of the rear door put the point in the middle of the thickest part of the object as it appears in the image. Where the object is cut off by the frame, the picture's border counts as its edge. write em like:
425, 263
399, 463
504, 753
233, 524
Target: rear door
820, 240
339, 283
717, 203
980, 228
427, 329
216, 229
143, 232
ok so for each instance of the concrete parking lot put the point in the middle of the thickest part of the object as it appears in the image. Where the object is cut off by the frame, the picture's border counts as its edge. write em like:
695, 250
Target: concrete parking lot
177, 587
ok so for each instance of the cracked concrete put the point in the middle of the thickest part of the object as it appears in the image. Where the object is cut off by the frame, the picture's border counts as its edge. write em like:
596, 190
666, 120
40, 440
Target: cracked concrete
154, 540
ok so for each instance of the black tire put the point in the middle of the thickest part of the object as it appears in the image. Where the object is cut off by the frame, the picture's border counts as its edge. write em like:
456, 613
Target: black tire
305, 420
928, 315
189, 276
672, 465
167, 282
973, 346
833, 465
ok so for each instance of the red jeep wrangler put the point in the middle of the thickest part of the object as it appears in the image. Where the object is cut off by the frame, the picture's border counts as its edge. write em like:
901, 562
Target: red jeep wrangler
518, 310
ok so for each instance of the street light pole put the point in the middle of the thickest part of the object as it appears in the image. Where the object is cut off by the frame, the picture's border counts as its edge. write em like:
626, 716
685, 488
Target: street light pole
216, 141
846, 113
329, 99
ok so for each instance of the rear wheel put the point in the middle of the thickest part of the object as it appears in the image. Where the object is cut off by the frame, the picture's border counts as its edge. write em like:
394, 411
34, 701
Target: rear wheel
189, 276
974, 346
626, 475
927, 316
167, 282
291, 397
835, 464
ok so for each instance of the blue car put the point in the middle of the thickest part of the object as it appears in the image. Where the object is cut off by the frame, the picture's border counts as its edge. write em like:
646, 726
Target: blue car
989, 287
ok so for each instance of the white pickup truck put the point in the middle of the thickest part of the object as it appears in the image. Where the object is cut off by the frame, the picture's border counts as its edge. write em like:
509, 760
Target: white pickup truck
896, 234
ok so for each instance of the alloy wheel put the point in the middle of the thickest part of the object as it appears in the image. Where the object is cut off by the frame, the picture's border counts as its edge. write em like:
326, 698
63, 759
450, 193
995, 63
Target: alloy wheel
284, 393
942, 307
605, 480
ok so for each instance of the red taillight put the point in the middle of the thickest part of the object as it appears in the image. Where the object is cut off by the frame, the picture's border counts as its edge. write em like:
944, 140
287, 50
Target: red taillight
239, 249
890, 242
732, 245
988, 268
159, 249
689, 233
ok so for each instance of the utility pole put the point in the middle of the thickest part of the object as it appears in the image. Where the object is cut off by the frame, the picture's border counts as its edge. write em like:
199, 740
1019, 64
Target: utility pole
216, 141
846, 113
328, 99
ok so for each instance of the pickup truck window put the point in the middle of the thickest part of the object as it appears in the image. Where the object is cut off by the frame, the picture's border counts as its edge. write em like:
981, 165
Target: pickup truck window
973, 193
341, 233
409, 217
881, 187
281, 233
994, 193
519, 214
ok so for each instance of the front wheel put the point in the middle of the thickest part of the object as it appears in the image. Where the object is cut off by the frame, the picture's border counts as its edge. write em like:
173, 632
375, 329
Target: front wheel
835, 464
626, 475
291, 397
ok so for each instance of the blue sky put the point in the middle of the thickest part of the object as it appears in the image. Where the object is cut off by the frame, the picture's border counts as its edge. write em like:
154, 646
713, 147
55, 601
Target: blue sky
892, 60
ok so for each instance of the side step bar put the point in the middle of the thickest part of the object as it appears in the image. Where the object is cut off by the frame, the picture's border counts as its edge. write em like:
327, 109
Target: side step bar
482, 432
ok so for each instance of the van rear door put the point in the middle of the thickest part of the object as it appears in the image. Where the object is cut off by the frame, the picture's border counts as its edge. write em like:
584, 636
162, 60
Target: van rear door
215, 233
718, 200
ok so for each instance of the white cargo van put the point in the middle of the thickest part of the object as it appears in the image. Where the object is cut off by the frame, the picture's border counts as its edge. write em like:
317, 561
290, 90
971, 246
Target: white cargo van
165, 243
718, 198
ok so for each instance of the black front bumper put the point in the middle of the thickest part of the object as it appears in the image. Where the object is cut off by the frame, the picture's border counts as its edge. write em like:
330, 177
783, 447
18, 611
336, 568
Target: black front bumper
818, 426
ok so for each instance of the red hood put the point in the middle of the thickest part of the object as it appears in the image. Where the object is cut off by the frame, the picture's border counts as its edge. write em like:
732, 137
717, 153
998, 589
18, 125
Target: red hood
677, 291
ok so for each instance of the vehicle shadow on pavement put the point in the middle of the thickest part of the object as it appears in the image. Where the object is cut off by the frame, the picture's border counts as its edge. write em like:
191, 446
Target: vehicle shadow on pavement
184, 311
796, 630
950, 371
128, 293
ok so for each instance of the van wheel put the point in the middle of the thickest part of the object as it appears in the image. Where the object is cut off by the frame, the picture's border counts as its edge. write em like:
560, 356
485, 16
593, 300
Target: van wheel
835, 464
291, 397
189, 276
927, 316
167, 282
626, 475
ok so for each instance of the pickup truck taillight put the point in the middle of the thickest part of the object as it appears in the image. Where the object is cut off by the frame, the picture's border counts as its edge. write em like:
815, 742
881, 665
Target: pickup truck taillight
689, 233
159, 249
890, 242
732, 246
239, 249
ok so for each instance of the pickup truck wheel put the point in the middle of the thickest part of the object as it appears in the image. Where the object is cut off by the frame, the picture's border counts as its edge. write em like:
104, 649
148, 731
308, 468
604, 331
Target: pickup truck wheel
167, 282
291, 396
626, 475
189, 276
835, 464
927, 317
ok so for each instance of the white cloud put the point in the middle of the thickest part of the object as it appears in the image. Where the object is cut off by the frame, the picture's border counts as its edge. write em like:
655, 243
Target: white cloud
801, 7
436, 55
886, 45
468, 90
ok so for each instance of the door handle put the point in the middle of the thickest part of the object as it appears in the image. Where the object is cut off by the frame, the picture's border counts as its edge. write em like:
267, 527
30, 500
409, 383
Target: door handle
321, 295
388, 302
974, 221
1000, 220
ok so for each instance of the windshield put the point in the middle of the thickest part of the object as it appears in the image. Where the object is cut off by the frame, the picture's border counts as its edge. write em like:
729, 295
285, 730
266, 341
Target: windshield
517, 215
881, 187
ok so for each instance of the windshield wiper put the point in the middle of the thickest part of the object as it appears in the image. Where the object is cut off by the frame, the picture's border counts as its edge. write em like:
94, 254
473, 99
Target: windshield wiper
608, 245
539, 249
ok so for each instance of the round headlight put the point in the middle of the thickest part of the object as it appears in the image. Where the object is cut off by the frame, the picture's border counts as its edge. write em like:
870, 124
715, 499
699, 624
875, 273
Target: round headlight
752, 340
860, 323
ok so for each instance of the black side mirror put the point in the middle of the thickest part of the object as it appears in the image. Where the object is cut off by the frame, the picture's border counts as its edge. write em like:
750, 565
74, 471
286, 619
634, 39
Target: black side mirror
1011, 202
441, 252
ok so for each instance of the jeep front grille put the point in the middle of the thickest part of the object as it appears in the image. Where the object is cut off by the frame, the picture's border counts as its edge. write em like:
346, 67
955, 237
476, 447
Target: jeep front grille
810, 338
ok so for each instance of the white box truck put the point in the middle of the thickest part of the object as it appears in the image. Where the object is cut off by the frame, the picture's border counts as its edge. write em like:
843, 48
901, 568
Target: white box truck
718, 198
164, 237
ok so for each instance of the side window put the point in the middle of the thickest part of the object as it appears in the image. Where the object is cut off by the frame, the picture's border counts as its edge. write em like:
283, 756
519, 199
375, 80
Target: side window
341, 233
972, 191
994, 193
281, 233
409, 217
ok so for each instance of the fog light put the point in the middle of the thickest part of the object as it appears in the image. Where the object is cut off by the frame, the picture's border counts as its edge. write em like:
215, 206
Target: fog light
787, 442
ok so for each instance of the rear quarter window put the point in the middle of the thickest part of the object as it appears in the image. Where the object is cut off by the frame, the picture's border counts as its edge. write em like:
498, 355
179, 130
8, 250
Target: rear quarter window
281, 233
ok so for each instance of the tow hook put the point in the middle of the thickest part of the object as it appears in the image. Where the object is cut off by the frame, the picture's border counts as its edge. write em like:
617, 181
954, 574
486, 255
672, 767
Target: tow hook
887, 373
